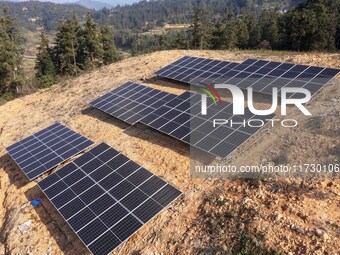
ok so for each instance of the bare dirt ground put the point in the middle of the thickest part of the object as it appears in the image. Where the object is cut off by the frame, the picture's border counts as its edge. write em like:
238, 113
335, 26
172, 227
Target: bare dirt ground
217, 216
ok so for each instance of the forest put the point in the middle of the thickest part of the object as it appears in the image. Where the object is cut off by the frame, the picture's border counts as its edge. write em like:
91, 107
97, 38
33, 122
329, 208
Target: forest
310, 26
75, 48
140, 16
87, 40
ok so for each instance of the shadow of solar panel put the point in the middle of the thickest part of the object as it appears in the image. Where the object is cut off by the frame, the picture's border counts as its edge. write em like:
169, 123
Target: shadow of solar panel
105, 204
47, 149
131, 101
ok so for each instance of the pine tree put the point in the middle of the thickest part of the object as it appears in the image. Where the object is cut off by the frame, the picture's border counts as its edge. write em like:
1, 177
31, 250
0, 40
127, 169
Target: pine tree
206, 27
10, 55
66, 47
163, 42
181, 41
254, 32
217, 34
110, 54
230, 32
44, 63
196, 30
242, 33
91, 48
269, 28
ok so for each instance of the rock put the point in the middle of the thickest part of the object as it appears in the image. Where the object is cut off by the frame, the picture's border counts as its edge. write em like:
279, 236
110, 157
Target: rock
299, 230
275, 151
197, 243
146, 252
278, 217
321, 233
246, 200
25, 227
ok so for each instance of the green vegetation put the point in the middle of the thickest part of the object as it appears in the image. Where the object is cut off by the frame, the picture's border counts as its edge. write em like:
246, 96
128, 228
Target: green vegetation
145, 15
46, 74
110, 54
78, 48
31, 15
315, 122
310, 26
10, 56
313, 26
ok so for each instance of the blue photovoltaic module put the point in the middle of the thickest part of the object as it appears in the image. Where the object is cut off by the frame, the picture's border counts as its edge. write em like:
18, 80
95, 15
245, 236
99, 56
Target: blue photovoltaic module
105, 197
47, 149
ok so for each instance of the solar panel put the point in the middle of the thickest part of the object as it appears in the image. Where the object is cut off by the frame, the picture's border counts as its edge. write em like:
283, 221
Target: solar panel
131, 101
188, 68
261, 75
181, 118
105, 197
278, 74
46, 149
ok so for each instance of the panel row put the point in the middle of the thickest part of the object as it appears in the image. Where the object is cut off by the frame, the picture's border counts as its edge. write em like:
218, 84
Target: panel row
47, 149
181, 118
260, 75
105, 197
130, 102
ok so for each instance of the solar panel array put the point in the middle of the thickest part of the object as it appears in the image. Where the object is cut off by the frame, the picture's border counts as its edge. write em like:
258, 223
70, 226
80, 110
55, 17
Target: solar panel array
260, 75
188, 68
105, 197
181, 118
131, 101
46, 149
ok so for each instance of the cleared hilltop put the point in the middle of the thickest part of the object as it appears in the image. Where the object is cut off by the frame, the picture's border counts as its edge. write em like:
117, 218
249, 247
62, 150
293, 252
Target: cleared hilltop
225, 216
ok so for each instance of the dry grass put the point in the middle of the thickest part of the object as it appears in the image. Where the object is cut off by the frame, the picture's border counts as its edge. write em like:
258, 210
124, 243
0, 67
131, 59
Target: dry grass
184, 229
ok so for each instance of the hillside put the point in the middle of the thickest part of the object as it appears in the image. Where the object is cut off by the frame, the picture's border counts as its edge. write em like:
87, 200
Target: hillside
269, 216
141, 15
32, 15
147, 14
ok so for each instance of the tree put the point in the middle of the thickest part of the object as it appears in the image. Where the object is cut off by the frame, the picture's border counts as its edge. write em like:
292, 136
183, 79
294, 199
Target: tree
45, 70
206, 27
91, 48
110, 54
269, 28
196, 30
66, 47
254, 32
217, 34
10, 55
242, 33
230, 32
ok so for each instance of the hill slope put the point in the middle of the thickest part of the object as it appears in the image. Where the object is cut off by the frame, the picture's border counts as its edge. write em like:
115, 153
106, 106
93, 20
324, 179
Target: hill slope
219, 216
33, 14
141, 15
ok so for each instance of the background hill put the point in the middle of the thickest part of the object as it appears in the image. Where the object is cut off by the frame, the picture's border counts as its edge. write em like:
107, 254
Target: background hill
268, 216
34, 16
92, 4
137, 16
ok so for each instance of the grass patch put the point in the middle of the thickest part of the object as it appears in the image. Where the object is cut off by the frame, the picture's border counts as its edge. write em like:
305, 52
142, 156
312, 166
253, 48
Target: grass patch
315, 123
281, 159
